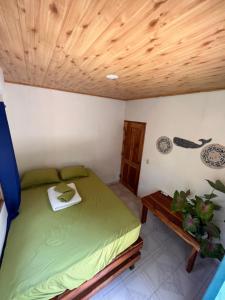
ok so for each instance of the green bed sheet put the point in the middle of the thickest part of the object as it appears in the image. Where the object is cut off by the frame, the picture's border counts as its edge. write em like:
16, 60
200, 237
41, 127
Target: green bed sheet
48, 252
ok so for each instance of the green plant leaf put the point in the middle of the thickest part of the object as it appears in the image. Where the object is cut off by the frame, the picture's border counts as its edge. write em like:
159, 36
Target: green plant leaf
183, 195
189, 208
210, 249
199, 198
193, 200
190, 224
198, 236
178, 202
212, 230
197, 214
218, 185
188, 193
205, 210
210, 196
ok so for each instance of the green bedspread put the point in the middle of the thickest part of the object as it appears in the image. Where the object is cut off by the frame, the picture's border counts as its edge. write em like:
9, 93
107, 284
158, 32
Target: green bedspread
48, 252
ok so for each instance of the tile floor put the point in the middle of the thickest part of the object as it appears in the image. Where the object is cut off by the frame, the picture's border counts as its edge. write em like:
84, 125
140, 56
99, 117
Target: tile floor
160, 273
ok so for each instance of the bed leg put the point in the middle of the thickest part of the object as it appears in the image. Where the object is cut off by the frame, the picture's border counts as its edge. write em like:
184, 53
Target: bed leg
132, 267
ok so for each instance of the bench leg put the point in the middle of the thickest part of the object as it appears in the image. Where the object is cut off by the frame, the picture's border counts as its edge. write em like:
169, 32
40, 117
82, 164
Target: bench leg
144, 214
191, 260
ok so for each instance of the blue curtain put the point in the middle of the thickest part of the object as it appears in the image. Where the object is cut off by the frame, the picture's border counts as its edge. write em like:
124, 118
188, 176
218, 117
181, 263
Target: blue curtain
9, 175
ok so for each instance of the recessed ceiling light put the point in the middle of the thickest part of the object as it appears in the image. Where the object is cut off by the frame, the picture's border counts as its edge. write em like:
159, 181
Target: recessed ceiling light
112, 76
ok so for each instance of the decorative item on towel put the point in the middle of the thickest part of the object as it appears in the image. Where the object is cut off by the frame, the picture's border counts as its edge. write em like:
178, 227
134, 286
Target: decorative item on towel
57, 204
67, 196
66, 192
62, 187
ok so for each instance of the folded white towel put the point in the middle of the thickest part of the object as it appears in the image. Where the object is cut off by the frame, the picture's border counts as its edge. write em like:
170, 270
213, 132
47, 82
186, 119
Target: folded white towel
57, 204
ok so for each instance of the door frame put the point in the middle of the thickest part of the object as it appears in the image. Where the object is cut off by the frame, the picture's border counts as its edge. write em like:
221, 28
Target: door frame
137, 122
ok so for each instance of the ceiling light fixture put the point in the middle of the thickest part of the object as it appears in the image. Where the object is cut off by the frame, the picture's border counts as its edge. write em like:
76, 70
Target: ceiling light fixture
112, 76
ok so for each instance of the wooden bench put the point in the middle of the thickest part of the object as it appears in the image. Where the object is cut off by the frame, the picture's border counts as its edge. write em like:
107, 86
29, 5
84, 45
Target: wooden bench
160, 206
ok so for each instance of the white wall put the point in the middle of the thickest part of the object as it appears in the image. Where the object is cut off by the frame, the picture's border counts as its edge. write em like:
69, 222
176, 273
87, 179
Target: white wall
192, 116
54, 128
1, 84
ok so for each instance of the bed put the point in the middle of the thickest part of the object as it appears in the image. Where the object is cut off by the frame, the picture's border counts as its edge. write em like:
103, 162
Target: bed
59, 253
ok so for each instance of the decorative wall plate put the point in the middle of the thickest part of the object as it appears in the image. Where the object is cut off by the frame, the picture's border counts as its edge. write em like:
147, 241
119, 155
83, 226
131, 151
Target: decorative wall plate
213, 156
164, 145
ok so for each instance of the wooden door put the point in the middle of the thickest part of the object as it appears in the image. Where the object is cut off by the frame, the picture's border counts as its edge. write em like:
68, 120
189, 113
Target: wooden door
133, 142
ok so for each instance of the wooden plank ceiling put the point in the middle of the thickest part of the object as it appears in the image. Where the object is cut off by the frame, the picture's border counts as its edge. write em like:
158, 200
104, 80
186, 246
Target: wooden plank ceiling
157, 47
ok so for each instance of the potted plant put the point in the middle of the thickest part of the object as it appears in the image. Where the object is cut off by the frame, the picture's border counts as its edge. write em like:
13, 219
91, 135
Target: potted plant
198, 213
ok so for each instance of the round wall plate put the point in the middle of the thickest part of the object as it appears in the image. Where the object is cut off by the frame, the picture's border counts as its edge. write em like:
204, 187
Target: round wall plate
213, 156
164, 145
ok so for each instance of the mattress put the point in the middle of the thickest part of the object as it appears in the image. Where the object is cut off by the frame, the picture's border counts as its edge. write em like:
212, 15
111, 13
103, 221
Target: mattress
48, 252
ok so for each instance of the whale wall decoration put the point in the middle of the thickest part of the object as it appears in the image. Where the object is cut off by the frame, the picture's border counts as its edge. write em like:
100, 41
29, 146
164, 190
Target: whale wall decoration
189, 144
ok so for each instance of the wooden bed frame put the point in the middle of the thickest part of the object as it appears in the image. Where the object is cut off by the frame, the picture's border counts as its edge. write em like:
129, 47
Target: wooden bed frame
122, 262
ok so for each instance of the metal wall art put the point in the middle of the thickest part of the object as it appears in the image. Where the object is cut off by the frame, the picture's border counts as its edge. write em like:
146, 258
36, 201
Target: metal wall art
164, 145
213, 156
189, 144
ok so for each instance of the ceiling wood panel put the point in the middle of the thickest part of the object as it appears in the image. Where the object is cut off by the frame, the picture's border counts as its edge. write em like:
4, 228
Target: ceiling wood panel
157, 47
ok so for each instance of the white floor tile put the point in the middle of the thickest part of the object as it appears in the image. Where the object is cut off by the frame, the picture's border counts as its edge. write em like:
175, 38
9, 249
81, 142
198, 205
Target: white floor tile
139, 284
119, 293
